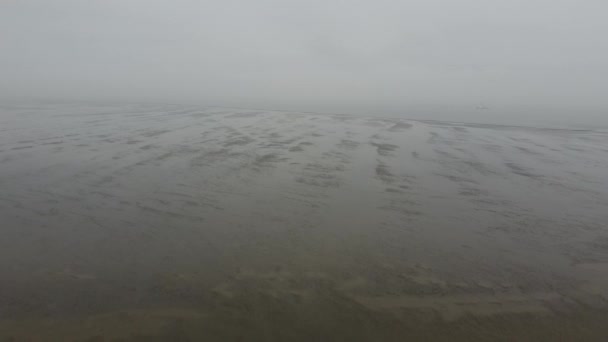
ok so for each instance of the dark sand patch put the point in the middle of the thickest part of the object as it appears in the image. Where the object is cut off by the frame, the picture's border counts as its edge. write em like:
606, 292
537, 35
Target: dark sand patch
384, 149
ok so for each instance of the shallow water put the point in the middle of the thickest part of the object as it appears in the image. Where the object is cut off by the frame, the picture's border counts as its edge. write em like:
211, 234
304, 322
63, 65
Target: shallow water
129, 223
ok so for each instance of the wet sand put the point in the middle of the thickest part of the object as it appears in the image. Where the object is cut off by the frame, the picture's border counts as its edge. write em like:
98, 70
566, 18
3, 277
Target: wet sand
173, 223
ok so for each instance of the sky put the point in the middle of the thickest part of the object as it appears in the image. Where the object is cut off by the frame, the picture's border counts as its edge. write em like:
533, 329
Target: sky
461, 60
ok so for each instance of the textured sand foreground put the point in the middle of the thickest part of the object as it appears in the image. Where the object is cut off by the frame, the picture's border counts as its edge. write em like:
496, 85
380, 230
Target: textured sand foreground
167, 223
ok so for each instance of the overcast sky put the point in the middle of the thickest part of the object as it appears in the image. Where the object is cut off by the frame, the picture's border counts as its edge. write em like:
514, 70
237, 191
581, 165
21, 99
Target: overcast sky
441, 57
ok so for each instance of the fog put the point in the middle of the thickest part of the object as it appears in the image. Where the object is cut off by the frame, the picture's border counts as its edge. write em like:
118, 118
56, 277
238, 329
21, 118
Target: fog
297, 170
532, 61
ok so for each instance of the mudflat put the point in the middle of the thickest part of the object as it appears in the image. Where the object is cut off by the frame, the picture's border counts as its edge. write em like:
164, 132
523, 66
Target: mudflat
175, 223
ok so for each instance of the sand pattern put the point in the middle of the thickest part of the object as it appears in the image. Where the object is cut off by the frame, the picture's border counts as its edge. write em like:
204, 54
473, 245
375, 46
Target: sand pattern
140, 222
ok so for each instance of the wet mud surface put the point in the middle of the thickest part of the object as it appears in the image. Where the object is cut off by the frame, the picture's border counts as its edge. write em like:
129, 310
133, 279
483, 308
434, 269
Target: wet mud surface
172, 223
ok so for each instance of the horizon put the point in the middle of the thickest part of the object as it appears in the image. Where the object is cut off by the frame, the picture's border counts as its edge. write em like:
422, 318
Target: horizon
531, 62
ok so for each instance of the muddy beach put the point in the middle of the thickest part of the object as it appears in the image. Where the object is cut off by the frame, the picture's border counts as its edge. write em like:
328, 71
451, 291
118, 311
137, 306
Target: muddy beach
175, 223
